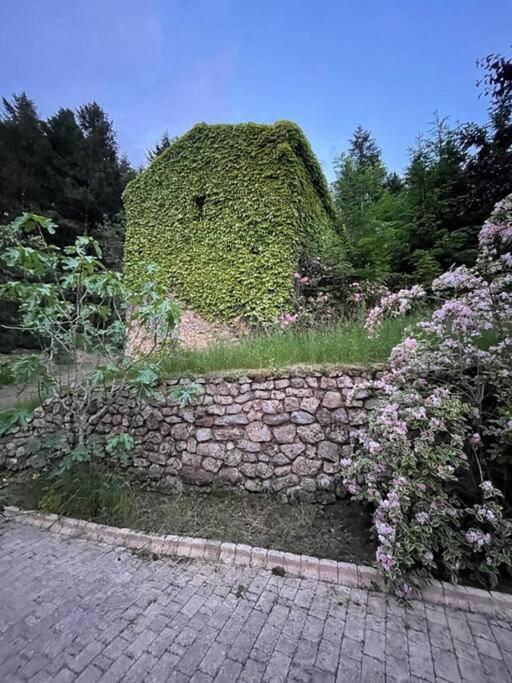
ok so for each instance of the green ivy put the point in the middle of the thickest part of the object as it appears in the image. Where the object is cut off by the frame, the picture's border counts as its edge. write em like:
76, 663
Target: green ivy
228, 211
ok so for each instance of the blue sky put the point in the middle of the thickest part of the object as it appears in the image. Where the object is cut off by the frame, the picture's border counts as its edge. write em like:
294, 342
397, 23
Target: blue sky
328, 65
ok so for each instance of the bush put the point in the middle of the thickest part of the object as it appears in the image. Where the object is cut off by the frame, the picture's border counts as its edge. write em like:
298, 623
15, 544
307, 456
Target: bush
436, 459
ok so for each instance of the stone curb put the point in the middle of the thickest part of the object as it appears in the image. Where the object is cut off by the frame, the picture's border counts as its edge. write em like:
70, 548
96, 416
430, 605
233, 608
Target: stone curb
303, 566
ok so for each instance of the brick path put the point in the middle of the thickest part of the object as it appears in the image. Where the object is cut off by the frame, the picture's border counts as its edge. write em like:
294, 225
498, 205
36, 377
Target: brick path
76, 610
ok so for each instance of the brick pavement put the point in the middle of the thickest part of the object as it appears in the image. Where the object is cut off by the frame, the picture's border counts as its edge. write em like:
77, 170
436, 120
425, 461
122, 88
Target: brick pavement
75, 610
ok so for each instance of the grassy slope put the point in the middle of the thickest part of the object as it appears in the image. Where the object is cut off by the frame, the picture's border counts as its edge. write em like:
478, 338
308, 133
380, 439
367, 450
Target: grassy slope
345, 343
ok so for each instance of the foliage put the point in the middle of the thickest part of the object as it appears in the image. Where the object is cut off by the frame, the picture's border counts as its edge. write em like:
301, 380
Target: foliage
409, 230
227, 211
364, 197
68, 166
91, 492
437, 459
72, 304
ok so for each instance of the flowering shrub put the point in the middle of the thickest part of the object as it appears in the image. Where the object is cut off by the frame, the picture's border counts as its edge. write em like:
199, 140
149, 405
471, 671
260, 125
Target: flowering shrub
436, 460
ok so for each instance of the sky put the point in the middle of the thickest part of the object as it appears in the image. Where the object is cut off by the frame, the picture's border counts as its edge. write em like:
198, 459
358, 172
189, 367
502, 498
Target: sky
328, 65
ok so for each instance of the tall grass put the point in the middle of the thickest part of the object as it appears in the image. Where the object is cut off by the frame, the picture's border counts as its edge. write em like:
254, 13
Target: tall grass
344, 343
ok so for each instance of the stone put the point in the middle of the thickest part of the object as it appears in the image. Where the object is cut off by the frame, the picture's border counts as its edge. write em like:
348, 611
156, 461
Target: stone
303, 466
158, 458
293, 450
173, 466
258, 431
324, 417
166, 448
309, 404
341, 416
280, 460
278, 419
243, 398
155, 471
264, 471
191, 459
229, 420
249, 446
285, 434
308, 484
203, 434
285, 482
180, 431
211, 449
211, 464
196, 475
233, 457
253, 485
332, 399
311, 433
140, 462
233, 409
281, 471
271, 407
329, 451
327, 383
301, 417
291, 403
230, 475
223, 400
227, 433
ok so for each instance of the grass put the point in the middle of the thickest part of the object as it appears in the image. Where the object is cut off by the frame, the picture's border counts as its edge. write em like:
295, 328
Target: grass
343, 343
339, 531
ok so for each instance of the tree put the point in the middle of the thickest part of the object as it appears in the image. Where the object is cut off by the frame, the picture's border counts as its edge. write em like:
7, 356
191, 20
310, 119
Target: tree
164, 142
24, 154
434, 232
488, 169
364, 196
363, 148
72, 304
103, 179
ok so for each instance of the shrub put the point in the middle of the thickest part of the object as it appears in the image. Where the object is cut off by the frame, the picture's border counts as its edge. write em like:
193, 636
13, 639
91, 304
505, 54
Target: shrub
227, 212
436, 459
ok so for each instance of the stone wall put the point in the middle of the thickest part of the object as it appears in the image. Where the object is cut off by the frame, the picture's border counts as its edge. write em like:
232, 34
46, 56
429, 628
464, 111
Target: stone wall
282, 433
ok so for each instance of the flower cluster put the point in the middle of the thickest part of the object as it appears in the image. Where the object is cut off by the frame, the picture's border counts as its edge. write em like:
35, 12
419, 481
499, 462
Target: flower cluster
435, 460
394, 303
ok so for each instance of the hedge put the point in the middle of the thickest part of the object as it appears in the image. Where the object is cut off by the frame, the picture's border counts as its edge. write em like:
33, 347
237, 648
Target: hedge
228, 211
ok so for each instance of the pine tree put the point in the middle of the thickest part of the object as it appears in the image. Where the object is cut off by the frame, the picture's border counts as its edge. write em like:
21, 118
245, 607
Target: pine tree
164, 142
24, 155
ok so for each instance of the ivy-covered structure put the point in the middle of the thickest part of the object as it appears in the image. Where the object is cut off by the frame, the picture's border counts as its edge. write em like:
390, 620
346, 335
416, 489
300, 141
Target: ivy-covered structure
228, 212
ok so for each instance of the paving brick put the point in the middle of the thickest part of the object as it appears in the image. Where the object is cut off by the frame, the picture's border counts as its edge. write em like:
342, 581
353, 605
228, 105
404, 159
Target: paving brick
101, 614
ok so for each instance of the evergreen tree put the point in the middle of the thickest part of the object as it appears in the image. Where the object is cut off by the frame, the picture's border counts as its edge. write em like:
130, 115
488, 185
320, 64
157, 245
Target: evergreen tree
362, 195
164, 142
24, 156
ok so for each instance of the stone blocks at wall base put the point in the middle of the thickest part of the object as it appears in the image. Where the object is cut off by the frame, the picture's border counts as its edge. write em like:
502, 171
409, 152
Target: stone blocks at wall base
281, 433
